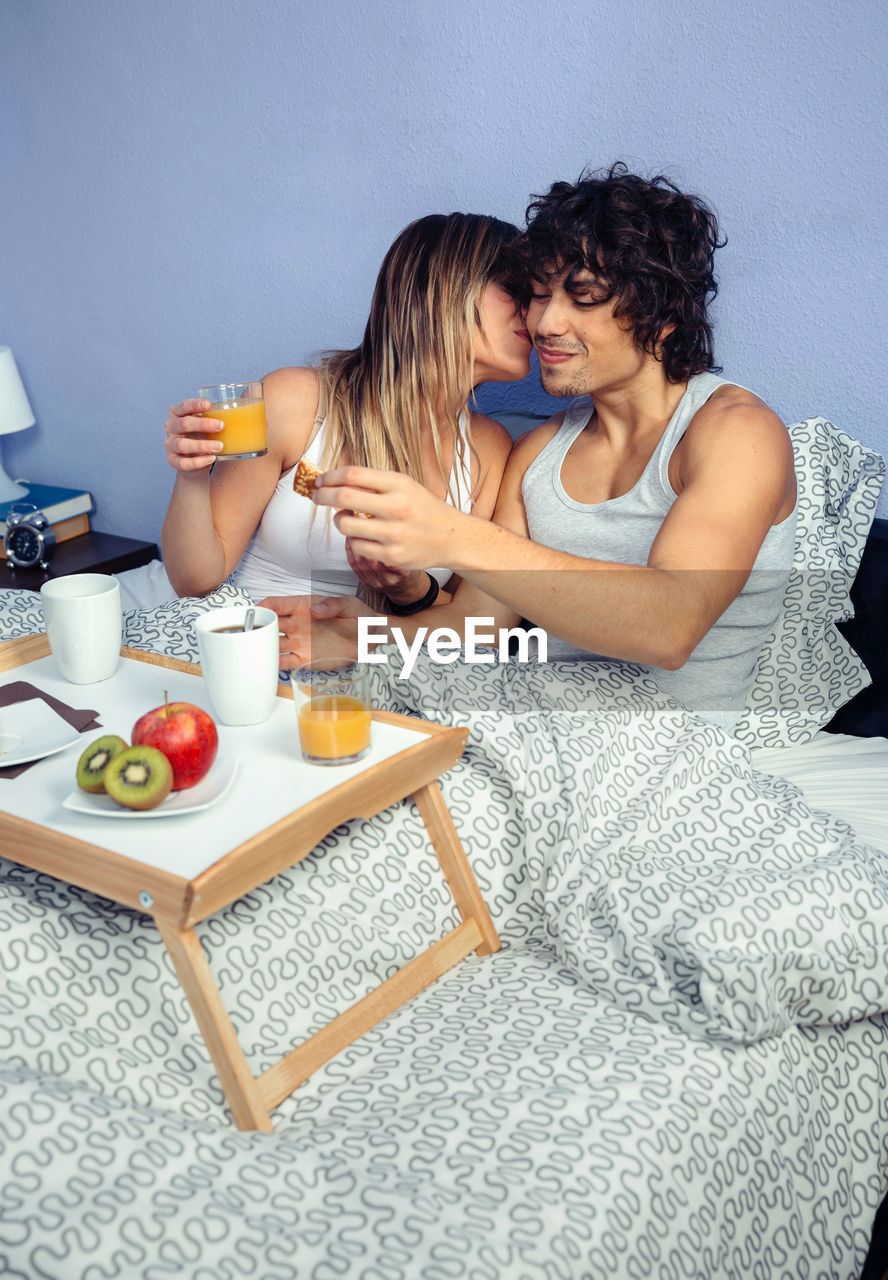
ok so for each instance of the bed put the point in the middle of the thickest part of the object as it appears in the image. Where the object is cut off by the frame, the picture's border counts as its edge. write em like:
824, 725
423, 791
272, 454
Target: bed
676, 1065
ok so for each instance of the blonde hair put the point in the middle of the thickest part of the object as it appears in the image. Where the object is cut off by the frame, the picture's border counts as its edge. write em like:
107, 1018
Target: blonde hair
413, 370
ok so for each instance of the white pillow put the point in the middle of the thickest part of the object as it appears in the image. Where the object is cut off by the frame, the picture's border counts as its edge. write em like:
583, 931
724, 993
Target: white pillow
807, 670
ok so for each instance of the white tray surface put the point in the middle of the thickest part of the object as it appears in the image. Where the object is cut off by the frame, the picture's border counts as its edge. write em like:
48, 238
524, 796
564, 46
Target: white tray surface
272, 779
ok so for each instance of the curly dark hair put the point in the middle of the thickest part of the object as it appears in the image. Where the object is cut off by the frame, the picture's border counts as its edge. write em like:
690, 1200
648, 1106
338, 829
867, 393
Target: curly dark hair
647, 244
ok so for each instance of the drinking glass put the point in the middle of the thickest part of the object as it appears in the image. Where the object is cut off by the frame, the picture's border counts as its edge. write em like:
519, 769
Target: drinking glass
332, 710
241, 406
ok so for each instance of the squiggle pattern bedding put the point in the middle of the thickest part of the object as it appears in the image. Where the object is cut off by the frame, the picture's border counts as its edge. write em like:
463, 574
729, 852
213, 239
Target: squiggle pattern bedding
672, 877
676, 1066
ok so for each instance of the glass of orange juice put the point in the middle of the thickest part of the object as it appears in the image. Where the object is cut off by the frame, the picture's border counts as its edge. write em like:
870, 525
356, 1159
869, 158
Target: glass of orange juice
332, 710
241, 406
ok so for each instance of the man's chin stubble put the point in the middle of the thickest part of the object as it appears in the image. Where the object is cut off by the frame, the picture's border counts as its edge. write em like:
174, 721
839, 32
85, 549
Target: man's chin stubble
562, 390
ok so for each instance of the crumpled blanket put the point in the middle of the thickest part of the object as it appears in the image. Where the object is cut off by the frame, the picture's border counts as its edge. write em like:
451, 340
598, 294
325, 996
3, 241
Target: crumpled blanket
673, 878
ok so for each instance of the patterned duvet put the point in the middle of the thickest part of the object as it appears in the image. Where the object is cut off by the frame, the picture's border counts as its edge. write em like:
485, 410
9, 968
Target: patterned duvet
675, 1067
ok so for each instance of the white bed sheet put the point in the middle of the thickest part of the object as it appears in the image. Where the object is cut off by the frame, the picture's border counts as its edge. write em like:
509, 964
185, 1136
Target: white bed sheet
842, 774
145, 587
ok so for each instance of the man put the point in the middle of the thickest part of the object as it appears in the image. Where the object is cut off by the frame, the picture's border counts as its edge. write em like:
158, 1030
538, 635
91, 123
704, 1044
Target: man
652, 523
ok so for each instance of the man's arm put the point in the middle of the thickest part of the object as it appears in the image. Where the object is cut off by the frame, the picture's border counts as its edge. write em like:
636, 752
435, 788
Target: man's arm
329, 626
735, 478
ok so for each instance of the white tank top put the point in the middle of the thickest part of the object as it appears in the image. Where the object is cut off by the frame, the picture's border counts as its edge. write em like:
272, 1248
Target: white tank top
297, 549
715, 679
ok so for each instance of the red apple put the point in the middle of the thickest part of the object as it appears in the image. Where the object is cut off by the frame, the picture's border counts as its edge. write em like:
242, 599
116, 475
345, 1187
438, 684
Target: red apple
186, 735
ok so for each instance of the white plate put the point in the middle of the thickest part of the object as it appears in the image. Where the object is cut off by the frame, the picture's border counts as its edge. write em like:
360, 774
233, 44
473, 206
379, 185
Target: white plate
31, 730
177, 803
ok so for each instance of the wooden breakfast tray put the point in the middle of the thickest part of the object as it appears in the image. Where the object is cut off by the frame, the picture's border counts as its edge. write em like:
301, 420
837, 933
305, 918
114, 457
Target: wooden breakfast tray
181, 869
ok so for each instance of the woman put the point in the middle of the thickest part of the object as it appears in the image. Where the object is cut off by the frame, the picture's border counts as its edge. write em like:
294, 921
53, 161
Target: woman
440, 323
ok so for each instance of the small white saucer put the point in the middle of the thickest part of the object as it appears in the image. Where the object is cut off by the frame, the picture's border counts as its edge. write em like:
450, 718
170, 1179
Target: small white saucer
176, 805
31, 730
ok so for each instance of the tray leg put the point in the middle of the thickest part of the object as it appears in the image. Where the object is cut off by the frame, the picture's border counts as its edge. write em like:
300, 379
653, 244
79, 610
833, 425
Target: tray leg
238, 1083
455, 865
279, 1081
251, 1098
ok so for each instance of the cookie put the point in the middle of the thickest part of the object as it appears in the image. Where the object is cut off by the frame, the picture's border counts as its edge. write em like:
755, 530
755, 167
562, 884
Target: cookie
304, 478
304, 482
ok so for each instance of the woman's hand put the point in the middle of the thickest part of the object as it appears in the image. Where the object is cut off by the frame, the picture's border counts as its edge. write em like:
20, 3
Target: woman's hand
317, 627
410, 528
400, 586
189, 442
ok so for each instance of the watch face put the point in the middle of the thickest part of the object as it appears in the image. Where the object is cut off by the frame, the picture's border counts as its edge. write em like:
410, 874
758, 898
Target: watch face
23, 546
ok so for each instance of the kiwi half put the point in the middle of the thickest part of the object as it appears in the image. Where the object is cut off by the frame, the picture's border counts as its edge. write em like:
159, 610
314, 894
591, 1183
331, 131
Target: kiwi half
139, 778
95, 759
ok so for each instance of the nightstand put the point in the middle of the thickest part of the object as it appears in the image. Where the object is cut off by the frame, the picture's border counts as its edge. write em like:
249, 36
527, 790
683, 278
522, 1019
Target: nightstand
91, 552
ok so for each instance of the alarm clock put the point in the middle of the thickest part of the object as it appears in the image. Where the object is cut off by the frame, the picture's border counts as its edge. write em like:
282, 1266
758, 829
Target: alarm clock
29, 541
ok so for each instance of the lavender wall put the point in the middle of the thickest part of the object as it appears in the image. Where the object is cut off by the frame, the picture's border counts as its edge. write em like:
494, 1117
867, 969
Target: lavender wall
203, 189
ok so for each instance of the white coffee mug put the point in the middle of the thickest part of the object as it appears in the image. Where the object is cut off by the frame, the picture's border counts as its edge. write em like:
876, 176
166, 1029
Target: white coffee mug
83, 625
240, 668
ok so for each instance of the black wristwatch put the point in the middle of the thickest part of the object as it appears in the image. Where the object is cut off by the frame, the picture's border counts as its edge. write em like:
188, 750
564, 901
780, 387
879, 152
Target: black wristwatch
29, 541
404, 610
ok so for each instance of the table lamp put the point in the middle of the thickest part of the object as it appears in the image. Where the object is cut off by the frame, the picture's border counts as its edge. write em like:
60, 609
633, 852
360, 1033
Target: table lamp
15, 415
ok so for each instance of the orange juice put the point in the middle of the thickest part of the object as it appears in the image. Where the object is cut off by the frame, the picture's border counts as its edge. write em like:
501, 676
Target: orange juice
244, 430
333, 727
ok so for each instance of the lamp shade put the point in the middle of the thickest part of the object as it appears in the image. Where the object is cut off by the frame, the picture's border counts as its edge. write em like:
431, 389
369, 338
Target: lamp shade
15, 410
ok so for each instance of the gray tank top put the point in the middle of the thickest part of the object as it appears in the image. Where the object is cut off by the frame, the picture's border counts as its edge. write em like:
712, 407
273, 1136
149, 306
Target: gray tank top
717, 676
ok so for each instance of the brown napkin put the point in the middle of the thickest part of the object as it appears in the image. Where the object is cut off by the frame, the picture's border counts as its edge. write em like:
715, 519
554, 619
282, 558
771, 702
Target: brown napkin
21, 691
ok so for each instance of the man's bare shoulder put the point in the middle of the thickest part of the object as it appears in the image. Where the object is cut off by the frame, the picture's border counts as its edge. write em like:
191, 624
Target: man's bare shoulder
734, 418
737, 434
732, 408
510, 511
531, 443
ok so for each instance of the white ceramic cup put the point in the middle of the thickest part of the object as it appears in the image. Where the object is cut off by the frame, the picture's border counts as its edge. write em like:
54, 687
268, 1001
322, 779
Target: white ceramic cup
240, 668
83, 625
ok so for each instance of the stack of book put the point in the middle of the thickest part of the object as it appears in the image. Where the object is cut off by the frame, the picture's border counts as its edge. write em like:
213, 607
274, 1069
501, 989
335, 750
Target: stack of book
67, 510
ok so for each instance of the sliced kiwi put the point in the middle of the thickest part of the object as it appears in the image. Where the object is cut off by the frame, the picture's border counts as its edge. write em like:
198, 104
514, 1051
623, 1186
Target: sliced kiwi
95, 759
139, 778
